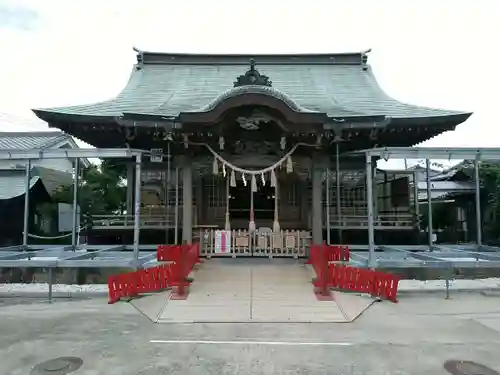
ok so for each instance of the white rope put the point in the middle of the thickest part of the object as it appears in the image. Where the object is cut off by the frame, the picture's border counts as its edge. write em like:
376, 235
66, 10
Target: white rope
51, 238
247, 171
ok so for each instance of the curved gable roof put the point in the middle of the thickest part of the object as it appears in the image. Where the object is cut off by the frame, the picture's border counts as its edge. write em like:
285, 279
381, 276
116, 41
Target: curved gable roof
339, 85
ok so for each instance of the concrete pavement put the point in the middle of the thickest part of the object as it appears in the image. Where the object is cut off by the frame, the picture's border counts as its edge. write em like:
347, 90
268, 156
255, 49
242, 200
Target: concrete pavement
257, 291
415, 336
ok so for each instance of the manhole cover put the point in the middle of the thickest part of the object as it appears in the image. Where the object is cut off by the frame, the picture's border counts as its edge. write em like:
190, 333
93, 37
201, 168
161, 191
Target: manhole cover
57, 366
468, 368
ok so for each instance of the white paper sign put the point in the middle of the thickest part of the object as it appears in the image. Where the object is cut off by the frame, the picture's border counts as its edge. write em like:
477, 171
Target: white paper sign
222, 241
65, 217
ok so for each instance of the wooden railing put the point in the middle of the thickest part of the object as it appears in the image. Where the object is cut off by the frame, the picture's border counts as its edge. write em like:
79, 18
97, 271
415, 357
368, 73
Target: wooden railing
262, 243
126, 221
150, 218
382, 220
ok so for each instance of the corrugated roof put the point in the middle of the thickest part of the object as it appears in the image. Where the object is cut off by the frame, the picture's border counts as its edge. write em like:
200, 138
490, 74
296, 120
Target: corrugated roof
30, 140
12, 182
339, 85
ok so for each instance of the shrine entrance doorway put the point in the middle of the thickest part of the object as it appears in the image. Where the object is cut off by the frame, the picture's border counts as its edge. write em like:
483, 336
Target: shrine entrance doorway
240, 205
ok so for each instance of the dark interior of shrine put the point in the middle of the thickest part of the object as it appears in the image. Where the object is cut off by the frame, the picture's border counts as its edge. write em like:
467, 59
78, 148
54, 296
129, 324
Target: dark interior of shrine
263, 201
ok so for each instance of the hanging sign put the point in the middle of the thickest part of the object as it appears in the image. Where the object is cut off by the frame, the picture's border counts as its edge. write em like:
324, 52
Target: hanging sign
222, 241
156, 155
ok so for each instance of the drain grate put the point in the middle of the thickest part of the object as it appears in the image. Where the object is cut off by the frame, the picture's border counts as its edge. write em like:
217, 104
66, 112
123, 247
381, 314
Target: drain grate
468, 368
57, 366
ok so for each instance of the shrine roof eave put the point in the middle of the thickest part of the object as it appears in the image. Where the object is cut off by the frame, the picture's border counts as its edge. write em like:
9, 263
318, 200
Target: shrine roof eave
127, 118
452, 120
152, 120
53, 116
138, 120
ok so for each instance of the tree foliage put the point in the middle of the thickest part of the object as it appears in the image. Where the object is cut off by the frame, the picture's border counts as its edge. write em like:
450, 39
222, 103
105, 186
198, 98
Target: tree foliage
489, 174
441, 217
101, 192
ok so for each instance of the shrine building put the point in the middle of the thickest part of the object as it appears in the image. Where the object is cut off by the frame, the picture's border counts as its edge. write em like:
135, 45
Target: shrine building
257, 145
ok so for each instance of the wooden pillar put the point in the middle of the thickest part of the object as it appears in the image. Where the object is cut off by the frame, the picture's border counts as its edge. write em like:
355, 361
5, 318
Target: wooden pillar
198, 185
304, 202
187, 202
317, 205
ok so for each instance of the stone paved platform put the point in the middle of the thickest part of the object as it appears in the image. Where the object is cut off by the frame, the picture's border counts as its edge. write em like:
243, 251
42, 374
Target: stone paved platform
248, 290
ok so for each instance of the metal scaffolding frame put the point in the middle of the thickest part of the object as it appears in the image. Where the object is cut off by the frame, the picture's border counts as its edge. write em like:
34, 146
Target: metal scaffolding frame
77, 153
74, 256
142, 256
89, 256
485, 153
440, 255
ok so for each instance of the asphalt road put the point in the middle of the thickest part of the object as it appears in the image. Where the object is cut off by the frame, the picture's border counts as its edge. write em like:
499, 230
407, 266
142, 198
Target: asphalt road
414, 337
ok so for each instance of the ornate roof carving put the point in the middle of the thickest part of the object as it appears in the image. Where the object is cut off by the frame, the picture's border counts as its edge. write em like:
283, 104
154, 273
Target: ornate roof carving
268, 91
252, 77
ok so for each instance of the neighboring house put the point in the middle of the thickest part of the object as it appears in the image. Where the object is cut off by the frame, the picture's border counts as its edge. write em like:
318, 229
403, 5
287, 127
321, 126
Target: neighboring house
421, 172
47, 175
393, 183
452, 198
39, 140
449, 183
455, 189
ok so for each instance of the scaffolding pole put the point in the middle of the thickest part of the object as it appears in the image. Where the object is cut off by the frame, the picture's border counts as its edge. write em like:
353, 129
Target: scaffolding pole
478, 201
75, 203
137, 205
415, 196
327, 203
130, 192
337, 180
176, 213
429, 203
369, 198
167, 196
26, 203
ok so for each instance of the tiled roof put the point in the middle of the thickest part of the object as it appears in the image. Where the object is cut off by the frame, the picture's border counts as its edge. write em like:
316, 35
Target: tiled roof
466, 167
30, 140
436, 195
445, 189
448, 186
340, 85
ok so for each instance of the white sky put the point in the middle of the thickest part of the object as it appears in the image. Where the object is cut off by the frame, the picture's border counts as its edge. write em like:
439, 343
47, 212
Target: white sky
432, 53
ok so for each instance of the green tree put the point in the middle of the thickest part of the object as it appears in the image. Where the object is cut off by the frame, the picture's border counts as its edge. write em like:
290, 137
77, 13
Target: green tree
489, 174
441, 218
102, 191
